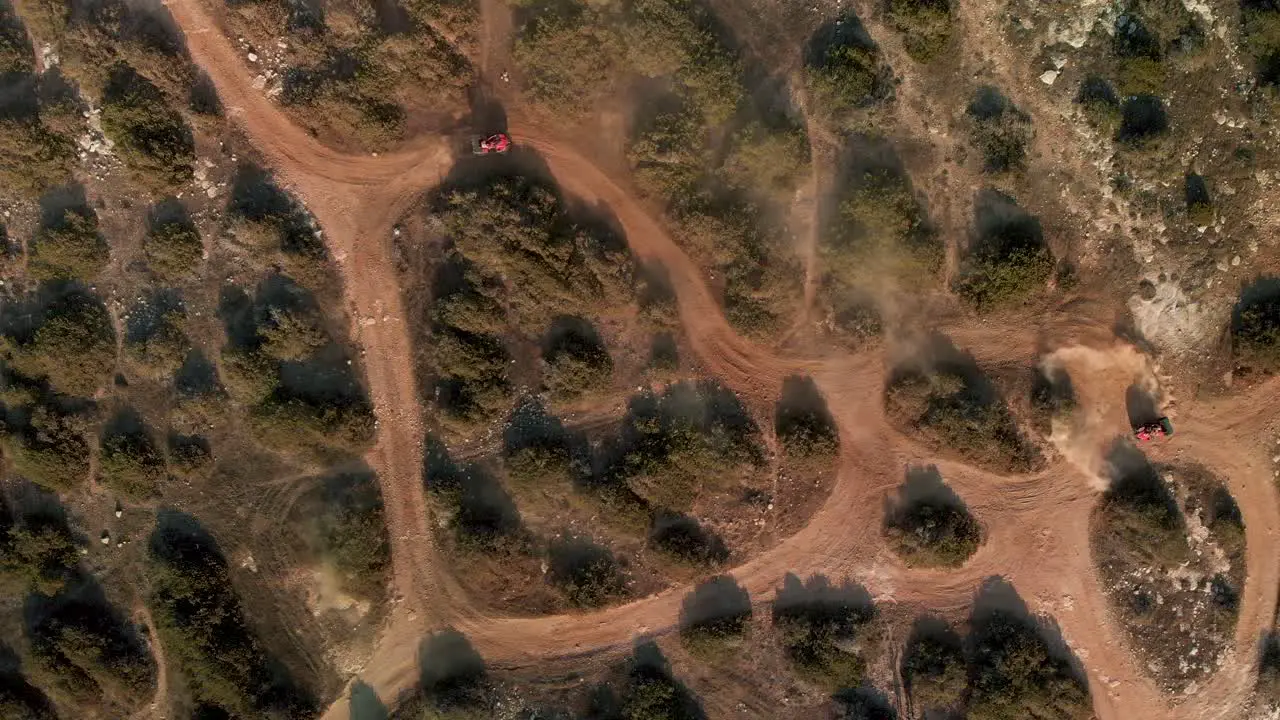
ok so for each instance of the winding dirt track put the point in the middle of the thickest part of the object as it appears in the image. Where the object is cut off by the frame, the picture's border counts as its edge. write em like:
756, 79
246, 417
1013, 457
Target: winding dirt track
1038, 523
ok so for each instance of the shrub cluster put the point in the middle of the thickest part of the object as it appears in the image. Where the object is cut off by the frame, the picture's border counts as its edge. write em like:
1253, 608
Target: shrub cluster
959, 408
844, 69
348, 531
929, 525
69, 247
172, 243
48, 447
156, 342
588, 573
150, 134
33, 155
575, 359
72, 345
925, 26
92, 654
999, 130
1255, 326
129, 463
684, 539
817, 620
670, 444
1260, 29
1007, 259
205, 634
714, 616
802, 420
481, 513
39, 554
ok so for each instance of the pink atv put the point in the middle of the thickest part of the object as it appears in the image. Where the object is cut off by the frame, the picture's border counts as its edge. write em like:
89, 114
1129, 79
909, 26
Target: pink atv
495, 143
1158, 429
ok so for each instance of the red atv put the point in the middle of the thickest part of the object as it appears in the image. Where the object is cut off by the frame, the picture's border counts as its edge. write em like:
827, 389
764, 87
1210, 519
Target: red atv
495, 143
1158, 429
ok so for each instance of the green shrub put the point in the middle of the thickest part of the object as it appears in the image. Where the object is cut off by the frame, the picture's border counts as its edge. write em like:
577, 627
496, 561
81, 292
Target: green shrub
251, 376
683, 538
714, 616
815, 620
1255, 326
174, 249
1014, 675
929, 525
1007, 260
767, 161
1199, 202
131, 465
150, 134
589, 574
1100, 104
20, 700
576, 360
802, 421
536, 445
292, 335
999, 130
190, 456
91, 654
933, 666
204, 632
40, 555
349, 530
568, 59
74, 347
162, 348
34, 157
668, 152
1143, 119
880, 233
285, 422
16, 53
1260, 30
924, 24
70, 248
669, 445
51, 452
472, 384
954, 405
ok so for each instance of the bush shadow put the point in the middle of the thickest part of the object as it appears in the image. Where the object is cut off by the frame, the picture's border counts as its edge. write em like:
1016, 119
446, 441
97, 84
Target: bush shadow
865, 703
686, 538
1135, 482
1001, 227
715, 602
451, 673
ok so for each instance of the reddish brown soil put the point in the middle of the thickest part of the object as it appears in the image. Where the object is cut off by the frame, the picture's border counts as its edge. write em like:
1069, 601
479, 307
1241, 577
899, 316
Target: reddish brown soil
1038, 524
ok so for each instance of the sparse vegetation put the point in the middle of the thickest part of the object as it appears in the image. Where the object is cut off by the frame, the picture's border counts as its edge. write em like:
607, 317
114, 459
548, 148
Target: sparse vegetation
925, 26
1199, 202
928, 525
49, 449
999, 130
818, 621
1007, 260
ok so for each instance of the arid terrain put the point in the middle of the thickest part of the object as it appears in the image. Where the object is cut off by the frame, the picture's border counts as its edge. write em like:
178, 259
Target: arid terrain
788, 365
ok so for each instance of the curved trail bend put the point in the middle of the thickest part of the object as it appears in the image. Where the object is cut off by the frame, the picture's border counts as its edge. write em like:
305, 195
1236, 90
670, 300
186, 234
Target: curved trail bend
1038, 523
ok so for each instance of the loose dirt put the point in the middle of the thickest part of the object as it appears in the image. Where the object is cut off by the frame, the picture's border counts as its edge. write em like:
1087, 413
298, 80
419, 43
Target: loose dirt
1038, 524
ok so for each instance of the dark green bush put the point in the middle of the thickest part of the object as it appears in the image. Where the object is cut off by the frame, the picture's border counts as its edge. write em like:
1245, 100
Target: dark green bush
1260, 30
683, 538
1100, 103
93, 656
130, 464
1255, 326
172, 244
844, 68
536, 445
925, 26
816, 619
933, 666
1014, 675
1007, 259
575, 357
878, 232
349, 530
589, 574
156, 341
69, 248
74, 347
714, 615
999, 130
39, 555
928, 525
802, 420
204, 632
472, 384
151, 135
1199, 202
50, 451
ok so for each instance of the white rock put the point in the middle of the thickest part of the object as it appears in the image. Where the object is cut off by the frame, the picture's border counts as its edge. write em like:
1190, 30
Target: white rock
1235, 261
259, 82
1048, 76
253, 57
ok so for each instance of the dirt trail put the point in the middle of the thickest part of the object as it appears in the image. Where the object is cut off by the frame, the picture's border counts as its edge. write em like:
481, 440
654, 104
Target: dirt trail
1038, 523
158, 708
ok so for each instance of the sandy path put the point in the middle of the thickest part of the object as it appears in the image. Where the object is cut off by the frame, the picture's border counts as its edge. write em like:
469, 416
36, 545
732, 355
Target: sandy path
1038, 524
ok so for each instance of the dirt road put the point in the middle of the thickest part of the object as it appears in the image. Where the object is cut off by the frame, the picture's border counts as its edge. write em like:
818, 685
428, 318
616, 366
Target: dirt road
1038, 523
